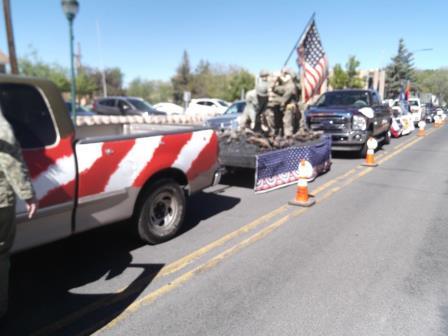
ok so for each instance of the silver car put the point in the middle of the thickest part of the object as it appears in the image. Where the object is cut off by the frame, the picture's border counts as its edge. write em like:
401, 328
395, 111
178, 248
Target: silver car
124, 106
229, 119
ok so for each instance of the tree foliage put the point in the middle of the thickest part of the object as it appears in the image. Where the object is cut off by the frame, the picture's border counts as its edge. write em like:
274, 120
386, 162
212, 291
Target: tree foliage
208, 80
399, 70
31, 65
353, 79
152, 91
348, 78
85, 83
182, 79
339, 78
433, 81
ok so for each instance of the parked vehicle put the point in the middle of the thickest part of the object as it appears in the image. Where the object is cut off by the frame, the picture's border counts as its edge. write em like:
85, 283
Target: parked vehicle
351, 117
230, 118
84, 180
80, 111
169, 108
124, 106
207, 107
414, 108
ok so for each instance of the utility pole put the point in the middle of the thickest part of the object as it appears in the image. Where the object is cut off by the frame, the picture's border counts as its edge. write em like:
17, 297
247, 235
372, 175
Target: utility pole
10, 36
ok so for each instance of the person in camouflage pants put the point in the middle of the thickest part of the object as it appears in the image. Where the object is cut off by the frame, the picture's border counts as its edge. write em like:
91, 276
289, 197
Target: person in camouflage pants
14, 179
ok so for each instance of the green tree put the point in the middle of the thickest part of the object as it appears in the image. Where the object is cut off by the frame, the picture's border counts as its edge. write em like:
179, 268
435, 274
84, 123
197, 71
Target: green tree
85, 83
339, 78
353, 79
202, 81
140, 88
399, 70
31, 65
152, 91
432, 81
239, 81
181, 81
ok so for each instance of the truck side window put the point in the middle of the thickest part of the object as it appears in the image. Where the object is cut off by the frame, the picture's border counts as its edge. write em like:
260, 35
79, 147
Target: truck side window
25, 109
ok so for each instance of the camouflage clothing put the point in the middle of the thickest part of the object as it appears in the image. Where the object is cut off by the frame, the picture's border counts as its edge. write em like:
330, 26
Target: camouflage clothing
289, 99
273, 113
13, 178
13, 170
256, 101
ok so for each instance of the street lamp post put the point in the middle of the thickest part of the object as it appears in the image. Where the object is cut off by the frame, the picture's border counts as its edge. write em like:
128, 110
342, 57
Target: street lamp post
70, 8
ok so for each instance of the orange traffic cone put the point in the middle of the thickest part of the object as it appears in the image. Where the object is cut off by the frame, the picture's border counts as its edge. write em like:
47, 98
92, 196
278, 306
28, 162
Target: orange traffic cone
370, 157
302, 197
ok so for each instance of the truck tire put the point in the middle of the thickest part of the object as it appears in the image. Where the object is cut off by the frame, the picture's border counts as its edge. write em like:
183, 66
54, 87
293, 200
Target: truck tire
161, 211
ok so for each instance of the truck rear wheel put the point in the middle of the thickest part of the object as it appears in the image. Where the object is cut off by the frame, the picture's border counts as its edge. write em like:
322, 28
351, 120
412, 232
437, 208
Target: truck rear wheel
161, 211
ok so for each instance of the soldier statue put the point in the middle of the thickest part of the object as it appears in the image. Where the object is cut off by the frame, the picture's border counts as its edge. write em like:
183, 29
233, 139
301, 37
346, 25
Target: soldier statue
256, 101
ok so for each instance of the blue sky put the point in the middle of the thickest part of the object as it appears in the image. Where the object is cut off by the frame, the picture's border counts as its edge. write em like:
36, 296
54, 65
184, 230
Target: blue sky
146, 38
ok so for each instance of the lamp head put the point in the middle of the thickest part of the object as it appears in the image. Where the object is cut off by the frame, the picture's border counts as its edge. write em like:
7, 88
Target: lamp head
70, 8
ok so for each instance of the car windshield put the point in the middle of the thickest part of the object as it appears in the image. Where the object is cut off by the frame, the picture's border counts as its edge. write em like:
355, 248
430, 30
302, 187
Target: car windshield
354, 98
236, 108
141, 105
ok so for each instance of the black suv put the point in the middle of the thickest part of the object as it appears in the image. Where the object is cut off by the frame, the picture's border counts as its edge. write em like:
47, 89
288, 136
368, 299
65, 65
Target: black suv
351, 117
124, 106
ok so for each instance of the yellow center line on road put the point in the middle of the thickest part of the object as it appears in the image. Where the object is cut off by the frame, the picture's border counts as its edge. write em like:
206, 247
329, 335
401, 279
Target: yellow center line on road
182, 279
183, 262
178, 264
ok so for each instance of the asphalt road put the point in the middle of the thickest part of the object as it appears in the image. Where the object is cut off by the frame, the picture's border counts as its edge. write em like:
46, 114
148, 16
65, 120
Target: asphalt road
370, 258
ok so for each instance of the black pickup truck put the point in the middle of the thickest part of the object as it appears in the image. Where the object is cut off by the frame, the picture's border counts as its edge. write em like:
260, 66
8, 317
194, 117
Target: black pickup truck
351, 117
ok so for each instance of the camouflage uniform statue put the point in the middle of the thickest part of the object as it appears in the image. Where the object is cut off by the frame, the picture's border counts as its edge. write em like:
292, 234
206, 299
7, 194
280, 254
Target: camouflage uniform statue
256, 101
14, 179
273, 113
289, 102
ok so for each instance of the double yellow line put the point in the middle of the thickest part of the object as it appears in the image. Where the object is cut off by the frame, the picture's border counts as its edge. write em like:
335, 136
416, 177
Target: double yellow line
337, 183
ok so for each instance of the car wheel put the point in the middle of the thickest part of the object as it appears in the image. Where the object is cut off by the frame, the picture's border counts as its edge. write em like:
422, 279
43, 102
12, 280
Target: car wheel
161, 211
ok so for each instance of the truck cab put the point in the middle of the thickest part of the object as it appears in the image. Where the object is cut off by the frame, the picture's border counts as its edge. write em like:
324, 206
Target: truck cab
350, 117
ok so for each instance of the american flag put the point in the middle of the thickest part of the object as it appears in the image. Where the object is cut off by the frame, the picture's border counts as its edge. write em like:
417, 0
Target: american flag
279, 168
313, 61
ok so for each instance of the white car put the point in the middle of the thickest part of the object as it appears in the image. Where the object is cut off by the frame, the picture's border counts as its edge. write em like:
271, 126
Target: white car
169, 108
207, 107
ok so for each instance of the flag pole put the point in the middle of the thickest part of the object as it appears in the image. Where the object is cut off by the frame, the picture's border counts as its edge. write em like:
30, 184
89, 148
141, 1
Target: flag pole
300, 38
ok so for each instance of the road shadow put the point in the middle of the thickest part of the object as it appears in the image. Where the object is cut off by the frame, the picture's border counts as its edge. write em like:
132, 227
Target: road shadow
42, 301
204, 205
239, 177
44, 280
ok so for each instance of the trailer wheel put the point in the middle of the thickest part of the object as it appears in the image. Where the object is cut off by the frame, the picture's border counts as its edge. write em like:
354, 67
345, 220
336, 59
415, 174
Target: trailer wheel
161, 211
